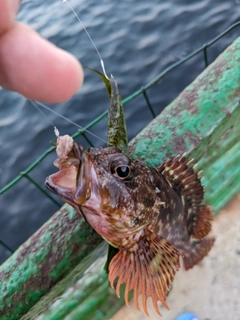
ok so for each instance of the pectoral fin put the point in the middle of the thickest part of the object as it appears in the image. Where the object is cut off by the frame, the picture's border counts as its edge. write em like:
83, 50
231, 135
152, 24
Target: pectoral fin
148, 267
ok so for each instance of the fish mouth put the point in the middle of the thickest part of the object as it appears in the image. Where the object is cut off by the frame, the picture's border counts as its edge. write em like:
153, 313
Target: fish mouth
73, 182
63, 183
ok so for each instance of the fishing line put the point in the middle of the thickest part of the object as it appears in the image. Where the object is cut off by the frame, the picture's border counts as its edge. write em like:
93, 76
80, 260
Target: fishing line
37, 104
56, 131
85, 29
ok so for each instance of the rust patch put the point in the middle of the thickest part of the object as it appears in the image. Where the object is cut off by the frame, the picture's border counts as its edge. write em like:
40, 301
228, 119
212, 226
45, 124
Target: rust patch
236, 93
190, 97
218, 69
180, 146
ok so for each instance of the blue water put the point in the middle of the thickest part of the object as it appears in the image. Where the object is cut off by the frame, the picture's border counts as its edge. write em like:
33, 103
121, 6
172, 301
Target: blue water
137, 40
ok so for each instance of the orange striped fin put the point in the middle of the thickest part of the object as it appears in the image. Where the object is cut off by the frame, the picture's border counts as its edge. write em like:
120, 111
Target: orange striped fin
148, 268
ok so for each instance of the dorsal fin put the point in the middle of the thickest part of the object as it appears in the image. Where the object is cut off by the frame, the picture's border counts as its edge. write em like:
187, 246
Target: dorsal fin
148, 267
182, 178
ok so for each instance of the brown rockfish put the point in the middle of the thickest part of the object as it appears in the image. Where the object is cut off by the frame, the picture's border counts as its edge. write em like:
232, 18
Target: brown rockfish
153, 216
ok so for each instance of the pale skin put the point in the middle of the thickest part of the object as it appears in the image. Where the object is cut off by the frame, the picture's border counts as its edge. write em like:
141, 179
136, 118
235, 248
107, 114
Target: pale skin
31, 65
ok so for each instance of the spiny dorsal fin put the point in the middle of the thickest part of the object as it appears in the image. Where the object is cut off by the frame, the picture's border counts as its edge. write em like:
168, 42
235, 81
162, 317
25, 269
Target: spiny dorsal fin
148, 267
182, 178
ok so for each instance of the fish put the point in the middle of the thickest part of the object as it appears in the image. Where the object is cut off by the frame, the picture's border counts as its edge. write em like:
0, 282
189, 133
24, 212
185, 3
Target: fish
154, 217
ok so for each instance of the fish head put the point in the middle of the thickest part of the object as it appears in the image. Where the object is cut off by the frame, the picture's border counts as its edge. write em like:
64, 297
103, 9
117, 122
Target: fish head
112, 191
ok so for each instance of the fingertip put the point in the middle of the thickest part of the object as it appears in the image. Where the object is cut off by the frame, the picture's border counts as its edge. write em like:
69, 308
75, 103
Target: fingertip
36, 68
65, 76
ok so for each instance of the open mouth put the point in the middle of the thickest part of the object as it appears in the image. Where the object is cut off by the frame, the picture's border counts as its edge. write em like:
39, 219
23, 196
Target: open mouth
73, 182
63, 183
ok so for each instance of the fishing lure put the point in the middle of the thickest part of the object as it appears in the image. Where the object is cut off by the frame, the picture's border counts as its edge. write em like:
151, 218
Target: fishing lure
151, 216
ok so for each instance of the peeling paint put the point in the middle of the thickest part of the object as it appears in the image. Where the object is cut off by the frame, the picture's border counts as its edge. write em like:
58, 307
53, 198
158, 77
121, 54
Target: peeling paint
43, 260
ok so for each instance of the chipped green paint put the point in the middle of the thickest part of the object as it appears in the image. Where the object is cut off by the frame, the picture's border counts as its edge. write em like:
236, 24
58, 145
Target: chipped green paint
80, 288
90, 305
79, 285
204, 122
48, 256
219, 154
194, 113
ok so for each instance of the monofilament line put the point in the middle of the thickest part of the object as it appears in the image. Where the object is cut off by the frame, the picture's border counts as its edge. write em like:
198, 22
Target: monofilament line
56, 131
101, 60
35, 103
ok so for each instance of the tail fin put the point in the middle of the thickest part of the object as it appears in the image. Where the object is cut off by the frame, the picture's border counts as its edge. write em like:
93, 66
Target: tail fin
197, 251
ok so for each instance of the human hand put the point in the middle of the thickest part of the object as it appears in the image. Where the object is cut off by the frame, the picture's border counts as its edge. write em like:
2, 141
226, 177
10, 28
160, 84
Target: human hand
31, 65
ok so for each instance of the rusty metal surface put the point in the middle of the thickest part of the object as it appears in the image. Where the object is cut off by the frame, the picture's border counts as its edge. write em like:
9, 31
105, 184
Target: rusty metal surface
181, 126
48, 256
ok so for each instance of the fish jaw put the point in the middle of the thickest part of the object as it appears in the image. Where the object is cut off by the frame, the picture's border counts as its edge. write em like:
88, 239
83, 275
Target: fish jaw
82, 193
64, 182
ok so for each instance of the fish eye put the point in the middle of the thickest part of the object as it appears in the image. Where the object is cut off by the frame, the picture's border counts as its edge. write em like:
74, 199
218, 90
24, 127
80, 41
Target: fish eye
121, 168
123, 171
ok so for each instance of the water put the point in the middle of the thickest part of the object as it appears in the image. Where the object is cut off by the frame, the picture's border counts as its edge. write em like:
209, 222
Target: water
137, 40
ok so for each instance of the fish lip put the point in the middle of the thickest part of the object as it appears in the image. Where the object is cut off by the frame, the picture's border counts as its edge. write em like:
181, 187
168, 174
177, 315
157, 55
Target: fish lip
85, 183
73, 184
66, 195
50, 186
63, 182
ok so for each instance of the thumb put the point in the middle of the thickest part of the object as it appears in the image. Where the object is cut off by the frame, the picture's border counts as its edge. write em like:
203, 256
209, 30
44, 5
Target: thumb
8, 11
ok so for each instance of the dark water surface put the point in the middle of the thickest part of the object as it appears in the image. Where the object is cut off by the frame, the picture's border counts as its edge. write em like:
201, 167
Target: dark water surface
137, 40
